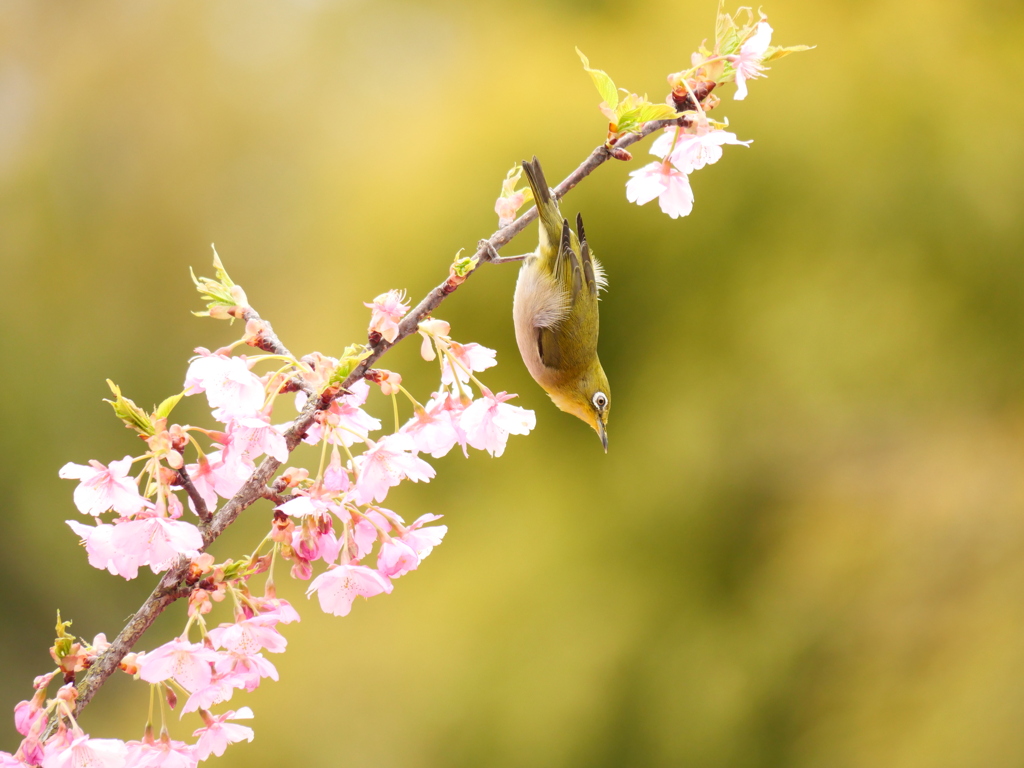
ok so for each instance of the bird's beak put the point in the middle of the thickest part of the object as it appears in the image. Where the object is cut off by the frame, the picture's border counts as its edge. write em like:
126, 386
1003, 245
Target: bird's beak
602, 432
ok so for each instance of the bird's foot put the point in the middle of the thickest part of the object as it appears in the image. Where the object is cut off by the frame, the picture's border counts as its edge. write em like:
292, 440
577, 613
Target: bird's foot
490, 254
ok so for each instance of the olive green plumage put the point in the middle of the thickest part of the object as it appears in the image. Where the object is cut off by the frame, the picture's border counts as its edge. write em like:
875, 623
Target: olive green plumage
556, 312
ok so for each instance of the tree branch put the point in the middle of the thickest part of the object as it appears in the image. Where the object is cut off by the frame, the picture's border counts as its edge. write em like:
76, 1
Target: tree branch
171, 586
193, 493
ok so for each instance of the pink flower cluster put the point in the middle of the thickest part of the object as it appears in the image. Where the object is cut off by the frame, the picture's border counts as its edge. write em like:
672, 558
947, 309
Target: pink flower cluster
337, 518
683, 151
147, 529
144, 533
333, 516
73, 748
229, 658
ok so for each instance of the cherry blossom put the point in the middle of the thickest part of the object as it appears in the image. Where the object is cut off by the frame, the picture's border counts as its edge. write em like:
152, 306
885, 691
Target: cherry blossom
244, 670
748, 63
365, 531
86, 752
315, 501
507, 207
161, 753
34, 752
336, 479
350, 423
249, 635
386, 464
422, 539
219, 474
217, 734
396, 558
253, 436
102, 488
388, 310
661, 180
220, 689
314, 538
153, 541
337, 587
435, 429
28, 715
692, 151
471, 358
489, 421
232, 390
8, 760
103, 554
277, 608
186, 663
430, 329
390, 383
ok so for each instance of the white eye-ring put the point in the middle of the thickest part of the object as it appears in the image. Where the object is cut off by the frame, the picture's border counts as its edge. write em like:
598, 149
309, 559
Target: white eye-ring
600, 400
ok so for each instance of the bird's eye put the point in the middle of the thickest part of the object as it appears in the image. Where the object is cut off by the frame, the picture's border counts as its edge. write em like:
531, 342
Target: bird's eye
600, 400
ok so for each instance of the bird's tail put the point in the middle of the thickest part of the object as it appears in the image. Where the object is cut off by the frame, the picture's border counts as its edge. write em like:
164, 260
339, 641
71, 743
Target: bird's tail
550, 217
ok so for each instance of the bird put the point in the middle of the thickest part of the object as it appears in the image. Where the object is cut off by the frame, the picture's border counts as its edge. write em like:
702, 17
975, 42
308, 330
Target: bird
555, 312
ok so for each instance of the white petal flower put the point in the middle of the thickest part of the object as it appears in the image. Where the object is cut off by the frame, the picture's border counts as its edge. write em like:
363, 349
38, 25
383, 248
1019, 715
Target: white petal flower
692, 151
748, 62
661, 180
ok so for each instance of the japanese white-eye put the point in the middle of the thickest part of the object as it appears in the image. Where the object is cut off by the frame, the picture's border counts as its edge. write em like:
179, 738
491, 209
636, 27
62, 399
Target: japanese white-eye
556, 314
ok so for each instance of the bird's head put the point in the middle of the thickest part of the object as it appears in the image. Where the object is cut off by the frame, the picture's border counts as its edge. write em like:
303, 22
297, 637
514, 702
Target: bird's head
588, 397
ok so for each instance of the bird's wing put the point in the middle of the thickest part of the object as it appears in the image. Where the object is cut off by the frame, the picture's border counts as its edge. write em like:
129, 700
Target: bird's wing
568, 268
593, 272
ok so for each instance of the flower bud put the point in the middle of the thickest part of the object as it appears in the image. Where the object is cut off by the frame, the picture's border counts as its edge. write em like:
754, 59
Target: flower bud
302, 569
254, 334
282, 528
68, 694
42, 681
239, 296
130, 663
293, 476
199, 602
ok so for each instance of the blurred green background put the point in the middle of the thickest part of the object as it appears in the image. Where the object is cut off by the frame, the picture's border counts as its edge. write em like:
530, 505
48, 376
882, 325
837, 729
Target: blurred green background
806, 545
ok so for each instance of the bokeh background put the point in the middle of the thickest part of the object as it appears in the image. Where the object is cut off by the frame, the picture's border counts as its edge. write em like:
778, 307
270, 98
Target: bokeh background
806, 545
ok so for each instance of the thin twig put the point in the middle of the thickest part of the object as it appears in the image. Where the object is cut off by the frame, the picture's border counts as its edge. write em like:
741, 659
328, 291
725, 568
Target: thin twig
271, 495
170, 587
268, 341
198, 502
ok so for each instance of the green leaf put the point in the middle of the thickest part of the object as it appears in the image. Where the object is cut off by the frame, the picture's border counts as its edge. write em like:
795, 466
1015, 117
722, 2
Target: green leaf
602, 82
463, 265
219, 292
164, 409
726, 31
723, 23
634, 111
233, 570
353, 355
218, 267
778, 51
129, 412
62, 628
649, 111
64, 640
